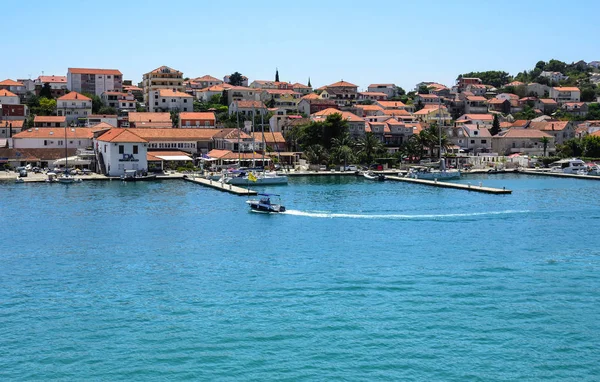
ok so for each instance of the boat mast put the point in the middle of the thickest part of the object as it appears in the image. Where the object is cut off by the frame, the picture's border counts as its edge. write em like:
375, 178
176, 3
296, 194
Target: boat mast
262, 129
66, 152
237, 117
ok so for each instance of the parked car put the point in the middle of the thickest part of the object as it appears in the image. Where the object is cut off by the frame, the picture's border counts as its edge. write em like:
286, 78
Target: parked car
351, 168
23, 173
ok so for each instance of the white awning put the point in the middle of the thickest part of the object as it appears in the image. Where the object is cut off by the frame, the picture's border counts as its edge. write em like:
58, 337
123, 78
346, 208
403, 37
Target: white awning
173, 157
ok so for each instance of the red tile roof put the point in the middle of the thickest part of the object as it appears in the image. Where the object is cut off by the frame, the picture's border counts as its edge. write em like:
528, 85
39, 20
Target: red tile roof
476, 98
16, 124
196, 115
121, 135
149, 117
10, 83
49, 118
270, 137
173, 93
72, 96
311, 96
345, 114
57, 132
6, 93
53, 79
567, 89
340, 84
524, 133
249, 104
94, 71
391, 104
169, 134
483, 117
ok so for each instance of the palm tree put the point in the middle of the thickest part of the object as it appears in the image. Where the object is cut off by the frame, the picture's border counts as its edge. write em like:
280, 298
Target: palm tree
316, 154
368, 146
342, 148
545, 141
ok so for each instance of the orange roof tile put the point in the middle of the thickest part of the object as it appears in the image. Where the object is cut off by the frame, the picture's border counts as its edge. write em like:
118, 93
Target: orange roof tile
369, 107
391, 104
483, 117
340, 84
173, 93
250, 104
206, 78
311, 96
549, 125
476, 98
121, 135
270, 137
72, 96
16, 124
103, 125
6, 93
396, 112
9, 82
197, 115
567, 89
94, 71
345, 114
49, 118
53, 79
159, 70
524, 133
57, 132
169, 134
149, 117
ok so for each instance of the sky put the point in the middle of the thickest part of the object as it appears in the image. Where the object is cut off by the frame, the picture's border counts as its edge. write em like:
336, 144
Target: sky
401, 42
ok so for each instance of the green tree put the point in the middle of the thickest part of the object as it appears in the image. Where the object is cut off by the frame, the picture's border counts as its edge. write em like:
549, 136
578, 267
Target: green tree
591, 145
96, 102
333, 127
32, 101
423, 89
46, 91
47, 106
342, 149
368, 146
399, 91
174, 118
496, 78
495, 125
316, 154
588, 94
236, 79
276, 75
107, 110
545, 141
271, 102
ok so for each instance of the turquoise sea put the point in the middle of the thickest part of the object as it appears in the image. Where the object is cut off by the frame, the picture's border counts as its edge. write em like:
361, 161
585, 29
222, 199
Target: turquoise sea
360, 281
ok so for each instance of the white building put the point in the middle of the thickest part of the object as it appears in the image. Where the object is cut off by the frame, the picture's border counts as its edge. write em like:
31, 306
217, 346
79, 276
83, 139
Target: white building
388, 89
76, 107
8, 98
95, 119
555, 77
122, 149
170, 99
565, 94
161, 78
54, 137
94, 81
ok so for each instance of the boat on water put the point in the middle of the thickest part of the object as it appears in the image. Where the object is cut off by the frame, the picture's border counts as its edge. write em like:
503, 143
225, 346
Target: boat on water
241, 177
264, 204
569, 166
372, 176
594, 170
135, 176
429, 173
67, 178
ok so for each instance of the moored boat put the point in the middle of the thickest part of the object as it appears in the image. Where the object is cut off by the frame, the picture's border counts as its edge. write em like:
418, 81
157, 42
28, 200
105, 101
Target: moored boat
372, 176
569, 166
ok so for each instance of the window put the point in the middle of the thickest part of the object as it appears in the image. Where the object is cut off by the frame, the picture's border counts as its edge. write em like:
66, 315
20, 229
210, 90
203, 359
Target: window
45, 141
185, 100
472, 141
156, 96
484, 141
163, 100
121, 149
107, 76
135, 149
155, 103
104, 148
187, 123
185, 109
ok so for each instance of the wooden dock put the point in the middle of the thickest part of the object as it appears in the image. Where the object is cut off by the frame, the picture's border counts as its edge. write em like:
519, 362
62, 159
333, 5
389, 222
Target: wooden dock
458, 186
222, 186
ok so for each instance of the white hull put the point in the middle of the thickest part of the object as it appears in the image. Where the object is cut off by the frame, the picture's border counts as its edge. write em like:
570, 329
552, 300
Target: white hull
260, 180
433, 175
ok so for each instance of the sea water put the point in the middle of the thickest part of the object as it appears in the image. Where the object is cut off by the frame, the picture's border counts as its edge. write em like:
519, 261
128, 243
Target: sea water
359, 281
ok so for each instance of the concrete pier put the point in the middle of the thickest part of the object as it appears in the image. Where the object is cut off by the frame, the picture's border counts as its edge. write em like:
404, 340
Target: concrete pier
222, 186
458, 186
559, 174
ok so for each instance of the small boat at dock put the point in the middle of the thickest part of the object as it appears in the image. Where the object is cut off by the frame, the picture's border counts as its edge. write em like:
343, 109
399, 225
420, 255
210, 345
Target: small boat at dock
372, 176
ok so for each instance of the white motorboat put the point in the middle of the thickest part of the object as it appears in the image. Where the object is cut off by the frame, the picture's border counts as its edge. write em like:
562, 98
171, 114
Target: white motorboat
426, 173
240, 178
569, 166
372, 176
264, 204
594, 170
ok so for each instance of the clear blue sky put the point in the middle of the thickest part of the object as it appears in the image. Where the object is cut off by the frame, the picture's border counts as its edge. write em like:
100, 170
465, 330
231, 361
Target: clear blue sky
403, 42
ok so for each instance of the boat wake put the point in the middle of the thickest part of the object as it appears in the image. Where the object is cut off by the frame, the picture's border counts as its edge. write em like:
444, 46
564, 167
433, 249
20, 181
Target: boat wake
327, 215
